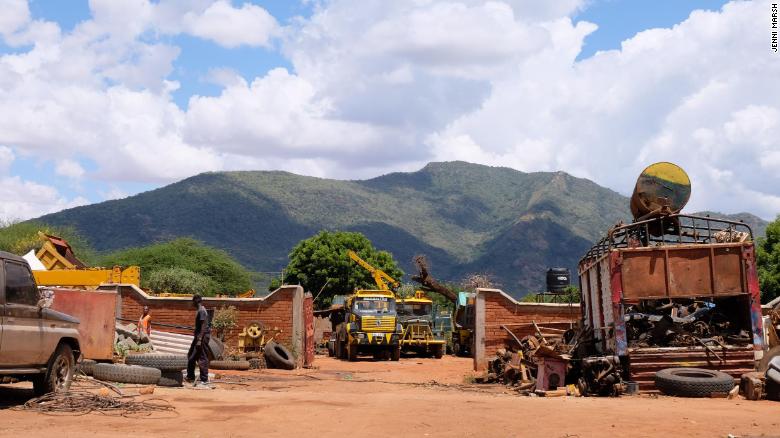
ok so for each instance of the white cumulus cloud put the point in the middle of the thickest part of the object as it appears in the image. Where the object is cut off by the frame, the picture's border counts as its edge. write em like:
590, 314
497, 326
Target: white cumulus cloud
377, 86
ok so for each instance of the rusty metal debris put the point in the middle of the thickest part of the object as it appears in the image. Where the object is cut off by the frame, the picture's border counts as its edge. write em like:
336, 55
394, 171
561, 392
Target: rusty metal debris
682, 323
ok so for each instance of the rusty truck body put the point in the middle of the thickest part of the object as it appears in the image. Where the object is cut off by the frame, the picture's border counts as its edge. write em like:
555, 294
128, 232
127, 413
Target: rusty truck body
673, 291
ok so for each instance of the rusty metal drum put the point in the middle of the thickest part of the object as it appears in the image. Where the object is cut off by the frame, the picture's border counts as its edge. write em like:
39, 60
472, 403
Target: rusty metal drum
661, 189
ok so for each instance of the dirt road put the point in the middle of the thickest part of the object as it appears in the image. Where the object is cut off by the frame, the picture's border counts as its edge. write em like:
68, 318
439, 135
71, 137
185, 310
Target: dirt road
413, 397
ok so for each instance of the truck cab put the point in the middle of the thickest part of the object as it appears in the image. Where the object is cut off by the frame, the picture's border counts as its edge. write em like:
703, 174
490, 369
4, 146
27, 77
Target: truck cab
370, 326
36, 343
416, 317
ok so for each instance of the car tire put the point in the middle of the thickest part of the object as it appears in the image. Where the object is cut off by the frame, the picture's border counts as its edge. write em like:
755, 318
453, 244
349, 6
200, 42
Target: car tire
87, 366
171, 379
59, 372
127, 373
162, 361
693, 382
236, 365
277, 356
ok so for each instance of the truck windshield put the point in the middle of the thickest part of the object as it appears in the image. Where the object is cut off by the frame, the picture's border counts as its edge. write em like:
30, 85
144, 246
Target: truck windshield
371, 305
415, 309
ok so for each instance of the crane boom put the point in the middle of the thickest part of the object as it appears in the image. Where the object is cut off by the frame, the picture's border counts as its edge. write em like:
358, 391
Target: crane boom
380, 277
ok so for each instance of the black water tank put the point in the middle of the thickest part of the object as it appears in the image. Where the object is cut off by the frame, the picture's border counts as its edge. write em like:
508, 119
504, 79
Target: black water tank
558, 279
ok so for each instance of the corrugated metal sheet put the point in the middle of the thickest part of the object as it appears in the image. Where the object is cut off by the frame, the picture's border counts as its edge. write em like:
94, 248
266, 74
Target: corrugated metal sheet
644, 362
96, 311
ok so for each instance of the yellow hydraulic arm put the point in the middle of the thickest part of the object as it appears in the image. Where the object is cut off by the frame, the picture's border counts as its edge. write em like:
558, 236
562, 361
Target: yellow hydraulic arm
88, 278
380, 277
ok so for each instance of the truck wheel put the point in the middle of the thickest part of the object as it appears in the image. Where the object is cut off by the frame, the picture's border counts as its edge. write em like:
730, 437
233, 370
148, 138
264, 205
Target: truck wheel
127, 373
59, 373
161, 361
692, 382
351, 352
396, 355
438, 351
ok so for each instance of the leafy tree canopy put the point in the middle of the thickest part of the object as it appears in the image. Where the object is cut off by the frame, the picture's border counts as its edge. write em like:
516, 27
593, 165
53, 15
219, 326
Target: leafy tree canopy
768, 252
227, 275
180, 281
19, 238
321, 262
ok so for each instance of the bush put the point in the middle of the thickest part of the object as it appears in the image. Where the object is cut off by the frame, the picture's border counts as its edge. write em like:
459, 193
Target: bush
180, 281
225, 318
226, 275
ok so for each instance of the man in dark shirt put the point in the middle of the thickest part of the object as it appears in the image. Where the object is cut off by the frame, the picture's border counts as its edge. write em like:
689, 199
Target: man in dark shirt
200, 342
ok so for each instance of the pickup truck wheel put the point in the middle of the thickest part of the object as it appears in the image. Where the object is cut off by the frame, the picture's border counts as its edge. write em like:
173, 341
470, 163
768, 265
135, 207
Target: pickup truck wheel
59, 373
438, 351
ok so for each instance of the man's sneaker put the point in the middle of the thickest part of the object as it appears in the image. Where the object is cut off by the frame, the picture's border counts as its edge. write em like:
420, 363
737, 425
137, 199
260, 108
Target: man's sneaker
202, 385
189, 381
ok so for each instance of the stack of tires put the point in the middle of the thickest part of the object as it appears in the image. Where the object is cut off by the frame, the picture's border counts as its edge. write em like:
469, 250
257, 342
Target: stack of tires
146, 369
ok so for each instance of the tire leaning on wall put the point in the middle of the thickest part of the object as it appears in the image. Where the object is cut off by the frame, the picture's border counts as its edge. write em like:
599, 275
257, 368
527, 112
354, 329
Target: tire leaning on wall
127, 373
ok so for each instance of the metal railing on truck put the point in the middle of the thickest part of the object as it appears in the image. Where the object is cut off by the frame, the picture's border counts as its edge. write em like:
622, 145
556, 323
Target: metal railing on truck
676, 229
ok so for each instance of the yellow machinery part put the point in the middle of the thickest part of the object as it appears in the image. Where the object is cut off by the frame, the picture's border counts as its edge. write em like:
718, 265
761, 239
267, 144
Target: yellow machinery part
89, 278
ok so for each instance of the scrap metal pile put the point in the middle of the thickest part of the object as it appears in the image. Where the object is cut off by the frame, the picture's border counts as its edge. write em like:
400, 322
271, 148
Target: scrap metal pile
543, 365
682, 323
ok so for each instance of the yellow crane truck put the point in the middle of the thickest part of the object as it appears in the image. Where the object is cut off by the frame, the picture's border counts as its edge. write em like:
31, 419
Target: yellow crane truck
370, 323
416, 317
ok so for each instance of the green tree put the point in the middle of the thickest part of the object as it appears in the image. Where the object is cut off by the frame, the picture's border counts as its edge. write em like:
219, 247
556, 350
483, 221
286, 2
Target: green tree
180, 281
226, 274
768, 257
21, 237
321, 262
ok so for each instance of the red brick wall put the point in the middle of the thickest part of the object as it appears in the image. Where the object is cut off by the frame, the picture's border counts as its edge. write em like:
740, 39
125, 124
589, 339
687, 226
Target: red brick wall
274, 311
500, 309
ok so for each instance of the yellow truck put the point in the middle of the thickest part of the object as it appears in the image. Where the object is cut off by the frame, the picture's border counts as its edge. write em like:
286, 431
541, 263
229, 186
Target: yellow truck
416, 317
370, 326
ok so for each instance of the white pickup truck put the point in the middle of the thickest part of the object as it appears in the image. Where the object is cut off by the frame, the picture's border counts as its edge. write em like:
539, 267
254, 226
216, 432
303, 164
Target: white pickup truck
36, 343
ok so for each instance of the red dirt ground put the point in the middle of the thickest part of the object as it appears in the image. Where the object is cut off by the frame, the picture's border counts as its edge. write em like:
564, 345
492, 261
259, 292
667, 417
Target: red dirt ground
413, 397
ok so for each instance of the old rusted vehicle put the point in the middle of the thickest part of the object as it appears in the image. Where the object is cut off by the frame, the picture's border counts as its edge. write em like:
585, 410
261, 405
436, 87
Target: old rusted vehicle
671, 291
36, 342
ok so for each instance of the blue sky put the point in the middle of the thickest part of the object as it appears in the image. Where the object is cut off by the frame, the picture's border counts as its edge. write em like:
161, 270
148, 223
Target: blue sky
337, 91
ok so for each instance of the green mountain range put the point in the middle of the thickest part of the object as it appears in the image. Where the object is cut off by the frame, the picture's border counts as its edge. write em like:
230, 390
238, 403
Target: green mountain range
466, 218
